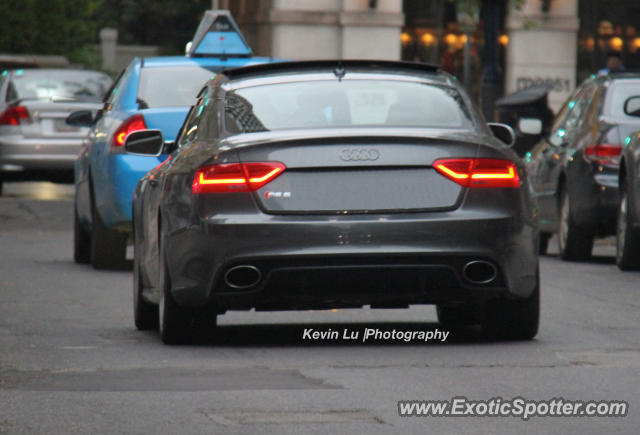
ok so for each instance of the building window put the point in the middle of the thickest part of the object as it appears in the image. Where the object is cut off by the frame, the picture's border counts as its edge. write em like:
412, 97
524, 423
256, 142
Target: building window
433, 34
604, 27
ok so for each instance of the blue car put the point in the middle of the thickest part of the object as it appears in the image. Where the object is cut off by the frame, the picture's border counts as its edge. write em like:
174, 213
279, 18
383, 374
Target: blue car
151, 93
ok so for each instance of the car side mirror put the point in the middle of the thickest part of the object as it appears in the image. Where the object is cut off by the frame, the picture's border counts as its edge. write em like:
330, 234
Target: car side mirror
80, 118
144, 143
503, 132
532, 126
632, 106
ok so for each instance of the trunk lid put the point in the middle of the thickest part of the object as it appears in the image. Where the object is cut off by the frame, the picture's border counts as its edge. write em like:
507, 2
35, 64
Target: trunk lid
48, 118
357, 174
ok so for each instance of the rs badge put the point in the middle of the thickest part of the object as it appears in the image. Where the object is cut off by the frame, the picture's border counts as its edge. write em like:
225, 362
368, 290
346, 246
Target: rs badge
270, 194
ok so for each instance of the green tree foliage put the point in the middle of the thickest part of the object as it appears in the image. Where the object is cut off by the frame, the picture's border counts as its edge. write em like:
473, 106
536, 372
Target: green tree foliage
68, 27
61, 27
169, 24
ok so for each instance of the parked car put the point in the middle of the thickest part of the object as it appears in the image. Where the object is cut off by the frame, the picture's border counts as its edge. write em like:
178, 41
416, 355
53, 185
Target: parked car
574, 169
35, 141
329, 184
628, 228
151, 93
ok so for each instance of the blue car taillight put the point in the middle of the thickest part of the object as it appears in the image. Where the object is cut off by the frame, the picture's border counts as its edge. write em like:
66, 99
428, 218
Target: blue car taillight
134, 123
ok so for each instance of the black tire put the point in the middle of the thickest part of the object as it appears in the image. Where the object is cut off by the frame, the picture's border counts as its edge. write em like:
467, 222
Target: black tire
543, 242
173, 322
627, 239
513, 319
0, 186
145, 314
81, 241
179, 325
204, 326
574, 243
108, 247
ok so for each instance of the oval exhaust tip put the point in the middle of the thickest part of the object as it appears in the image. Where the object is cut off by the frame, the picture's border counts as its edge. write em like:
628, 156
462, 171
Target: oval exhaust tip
242, 277
479, 272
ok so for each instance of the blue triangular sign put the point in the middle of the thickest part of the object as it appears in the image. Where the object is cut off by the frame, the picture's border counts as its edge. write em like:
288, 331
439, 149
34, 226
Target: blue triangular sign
218, 35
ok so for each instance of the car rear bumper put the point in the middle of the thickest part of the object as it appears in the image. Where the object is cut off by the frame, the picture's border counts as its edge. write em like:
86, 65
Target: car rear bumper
18, 154
319, 262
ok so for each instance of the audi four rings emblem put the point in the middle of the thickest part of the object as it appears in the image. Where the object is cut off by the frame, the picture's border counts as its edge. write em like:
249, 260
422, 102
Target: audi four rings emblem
359, 154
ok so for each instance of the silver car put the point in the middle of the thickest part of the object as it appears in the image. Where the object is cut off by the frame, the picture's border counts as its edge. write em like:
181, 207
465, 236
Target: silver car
35, 140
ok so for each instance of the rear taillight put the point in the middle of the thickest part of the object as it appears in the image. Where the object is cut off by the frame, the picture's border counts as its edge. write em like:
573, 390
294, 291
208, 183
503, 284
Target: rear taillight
479, 172
15, 115
235, 177
135, 123
604, 154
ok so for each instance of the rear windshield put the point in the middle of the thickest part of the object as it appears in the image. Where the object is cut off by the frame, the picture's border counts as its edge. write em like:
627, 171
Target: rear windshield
173, 86
346, 103
64, 84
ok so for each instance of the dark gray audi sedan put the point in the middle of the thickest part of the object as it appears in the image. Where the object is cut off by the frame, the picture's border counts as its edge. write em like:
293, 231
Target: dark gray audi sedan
333, 184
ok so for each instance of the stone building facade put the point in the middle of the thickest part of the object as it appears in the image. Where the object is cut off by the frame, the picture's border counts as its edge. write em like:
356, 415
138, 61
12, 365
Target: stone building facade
560, 42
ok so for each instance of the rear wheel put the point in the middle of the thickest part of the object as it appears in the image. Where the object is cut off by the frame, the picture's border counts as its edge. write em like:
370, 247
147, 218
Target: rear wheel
513, 319
173, 320
627, 240
81, 241
574, 243
179, 325
108, 247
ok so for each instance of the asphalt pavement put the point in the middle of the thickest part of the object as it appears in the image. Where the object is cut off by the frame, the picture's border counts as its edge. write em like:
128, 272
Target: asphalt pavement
71, 360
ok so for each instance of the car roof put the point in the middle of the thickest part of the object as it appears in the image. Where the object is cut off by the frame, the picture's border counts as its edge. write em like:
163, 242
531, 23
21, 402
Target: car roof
177, 61
330, 65
50, 70
618, 77
624, 75
308, 70
601, 79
